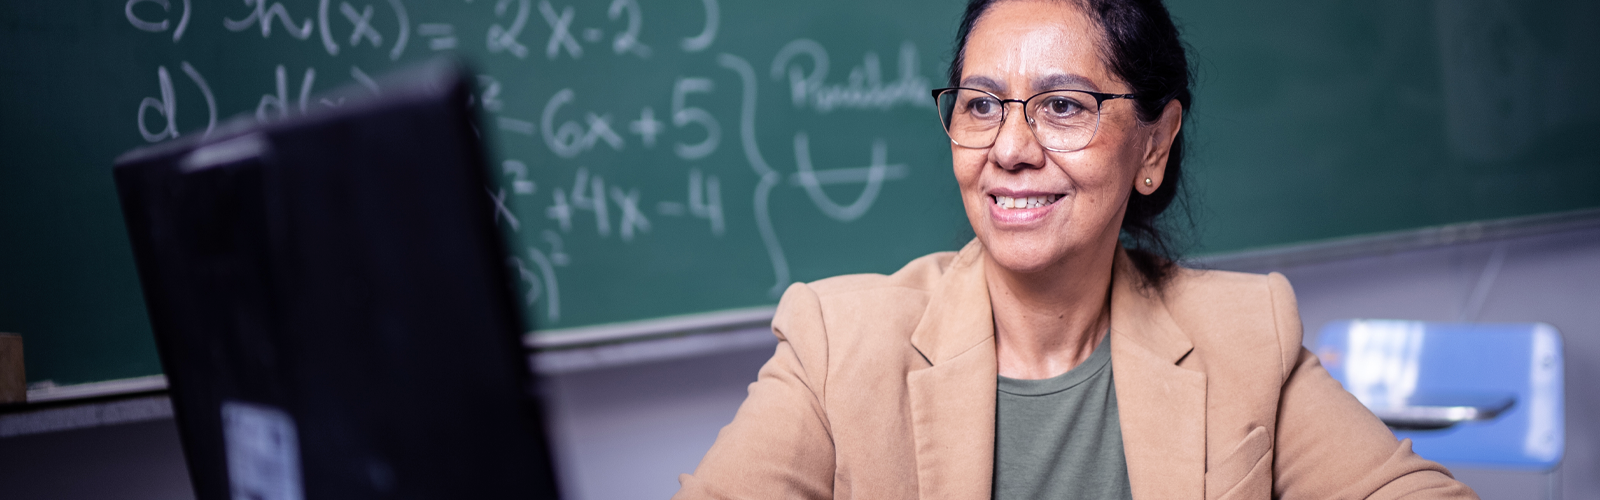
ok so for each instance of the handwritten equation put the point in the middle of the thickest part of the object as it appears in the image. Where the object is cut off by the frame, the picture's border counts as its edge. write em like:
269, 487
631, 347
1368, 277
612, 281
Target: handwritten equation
552, 185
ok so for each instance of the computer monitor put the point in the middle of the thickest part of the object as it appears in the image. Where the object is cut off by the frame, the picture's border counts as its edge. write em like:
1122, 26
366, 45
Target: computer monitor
331, 303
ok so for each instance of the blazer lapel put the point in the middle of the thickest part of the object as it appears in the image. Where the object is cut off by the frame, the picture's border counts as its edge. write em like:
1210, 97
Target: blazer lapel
952, 402
1162, 405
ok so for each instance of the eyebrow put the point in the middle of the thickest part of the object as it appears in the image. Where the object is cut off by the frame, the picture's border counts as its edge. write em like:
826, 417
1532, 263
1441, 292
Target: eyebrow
983, 83
1064, 81
1056, 81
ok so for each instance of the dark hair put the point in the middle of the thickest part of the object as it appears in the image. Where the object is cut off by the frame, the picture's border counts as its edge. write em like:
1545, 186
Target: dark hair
1142, 46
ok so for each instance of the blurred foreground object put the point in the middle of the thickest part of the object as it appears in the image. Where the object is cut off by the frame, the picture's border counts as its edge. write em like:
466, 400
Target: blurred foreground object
332, 306
13, 377
1475, 394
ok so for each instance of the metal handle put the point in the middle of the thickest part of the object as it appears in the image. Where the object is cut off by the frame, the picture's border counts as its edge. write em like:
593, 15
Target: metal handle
1440, 416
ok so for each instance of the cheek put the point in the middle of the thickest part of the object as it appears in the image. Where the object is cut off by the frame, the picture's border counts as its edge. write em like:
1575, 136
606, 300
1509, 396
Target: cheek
968, 165
1117, 160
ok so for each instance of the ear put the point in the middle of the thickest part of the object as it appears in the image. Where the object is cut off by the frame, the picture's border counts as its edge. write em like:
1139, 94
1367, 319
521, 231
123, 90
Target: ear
1159, 147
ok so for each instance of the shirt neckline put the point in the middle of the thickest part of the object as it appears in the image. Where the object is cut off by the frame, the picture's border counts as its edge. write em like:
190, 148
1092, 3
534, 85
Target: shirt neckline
1097, 361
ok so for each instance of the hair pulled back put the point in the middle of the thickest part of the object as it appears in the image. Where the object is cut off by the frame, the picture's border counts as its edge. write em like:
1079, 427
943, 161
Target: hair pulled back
1142, 46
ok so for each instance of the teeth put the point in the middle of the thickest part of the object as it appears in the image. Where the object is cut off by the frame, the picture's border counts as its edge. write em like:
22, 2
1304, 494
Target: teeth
1008, 202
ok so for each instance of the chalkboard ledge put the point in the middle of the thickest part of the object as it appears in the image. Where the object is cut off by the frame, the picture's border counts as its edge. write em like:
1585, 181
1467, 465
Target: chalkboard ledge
610, 333
50, 393
1351, 247
127, 401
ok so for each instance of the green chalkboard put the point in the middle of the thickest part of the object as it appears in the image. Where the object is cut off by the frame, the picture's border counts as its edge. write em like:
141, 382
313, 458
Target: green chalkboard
666, 157
1328, 118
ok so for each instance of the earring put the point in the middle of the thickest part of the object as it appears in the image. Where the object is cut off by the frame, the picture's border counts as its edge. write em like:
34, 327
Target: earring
1147, 182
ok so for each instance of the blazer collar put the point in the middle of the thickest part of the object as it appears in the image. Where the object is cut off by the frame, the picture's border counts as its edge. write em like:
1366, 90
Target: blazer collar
1141, 315
958, 316
953, 401
1161, 405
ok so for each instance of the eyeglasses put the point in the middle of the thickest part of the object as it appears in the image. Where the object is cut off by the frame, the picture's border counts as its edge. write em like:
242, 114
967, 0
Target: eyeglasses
1062, 120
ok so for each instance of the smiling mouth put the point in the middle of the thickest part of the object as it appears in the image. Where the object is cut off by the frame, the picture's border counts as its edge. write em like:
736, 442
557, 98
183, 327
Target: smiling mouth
1024, 202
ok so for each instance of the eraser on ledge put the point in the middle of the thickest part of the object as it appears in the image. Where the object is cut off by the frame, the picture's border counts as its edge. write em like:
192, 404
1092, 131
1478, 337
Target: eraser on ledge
13, 379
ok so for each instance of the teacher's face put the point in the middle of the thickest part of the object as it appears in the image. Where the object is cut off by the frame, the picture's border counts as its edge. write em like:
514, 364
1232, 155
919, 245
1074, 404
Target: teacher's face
1017, 49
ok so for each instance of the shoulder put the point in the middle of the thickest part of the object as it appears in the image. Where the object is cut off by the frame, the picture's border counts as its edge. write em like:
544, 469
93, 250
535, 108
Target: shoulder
918, 275
1231, 314
1226, 288
848, 296
858, 315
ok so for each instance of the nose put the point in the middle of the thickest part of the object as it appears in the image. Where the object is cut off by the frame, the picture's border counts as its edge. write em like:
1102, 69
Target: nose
1016, 148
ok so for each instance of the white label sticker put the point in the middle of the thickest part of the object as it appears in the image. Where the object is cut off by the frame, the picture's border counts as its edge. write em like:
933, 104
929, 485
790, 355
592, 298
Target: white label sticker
263, 452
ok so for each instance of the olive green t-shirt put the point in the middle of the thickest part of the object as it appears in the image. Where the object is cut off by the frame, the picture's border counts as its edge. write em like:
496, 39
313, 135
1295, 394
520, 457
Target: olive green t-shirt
1060, 437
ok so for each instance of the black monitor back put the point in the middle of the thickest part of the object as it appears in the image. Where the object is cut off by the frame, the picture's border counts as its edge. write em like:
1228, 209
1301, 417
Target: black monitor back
330, 301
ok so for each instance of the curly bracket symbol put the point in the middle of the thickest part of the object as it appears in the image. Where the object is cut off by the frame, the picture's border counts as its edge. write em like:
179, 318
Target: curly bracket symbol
769, 177
873, 175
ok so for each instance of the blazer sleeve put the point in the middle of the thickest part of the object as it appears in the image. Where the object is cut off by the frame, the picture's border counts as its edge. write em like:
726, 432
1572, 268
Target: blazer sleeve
779, 444
1330, 446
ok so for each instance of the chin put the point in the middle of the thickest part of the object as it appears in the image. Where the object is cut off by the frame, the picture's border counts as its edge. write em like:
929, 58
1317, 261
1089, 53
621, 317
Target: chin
1024, 253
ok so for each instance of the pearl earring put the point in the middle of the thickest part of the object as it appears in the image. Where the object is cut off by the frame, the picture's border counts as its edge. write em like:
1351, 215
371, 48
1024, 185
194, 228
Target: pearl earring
1148, 182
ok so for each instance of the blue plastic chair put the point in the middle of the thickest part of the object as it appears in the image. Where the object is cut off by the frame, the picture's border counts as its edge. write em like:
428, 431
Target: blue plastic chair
1480, 395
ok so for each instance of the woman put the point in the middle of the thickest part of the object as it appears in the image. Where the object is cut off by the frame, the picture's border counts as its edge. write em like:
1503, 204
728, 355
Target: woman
1059, 354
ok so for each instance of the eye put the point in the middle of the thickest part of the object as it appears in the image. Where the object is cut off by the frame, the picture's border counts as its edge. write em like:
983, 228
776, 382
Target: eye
983, 106
1058, 106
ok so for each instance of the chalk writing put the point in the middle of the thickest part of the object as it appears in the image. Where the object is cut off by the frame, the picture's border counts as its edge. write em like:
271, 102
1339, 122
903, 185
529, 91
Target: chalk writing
707, 34
516, 126
157, 27
705, 200
865, 87
873, 176
404, 22
167, 105
560, 31
549, 272
627, 42
571, 139
276, 106
490, 94
518, 172
365, 81
362, 25
632, 219
205, 91
501, 211
590, 194
769, 178
683, 115
547, 199
647, 127
263, 15
505, 39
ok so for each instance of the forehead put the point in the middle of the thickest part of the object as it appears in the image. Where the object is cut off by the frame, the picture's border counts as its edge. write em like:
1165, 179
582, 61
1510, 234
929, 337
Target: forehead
1022, 46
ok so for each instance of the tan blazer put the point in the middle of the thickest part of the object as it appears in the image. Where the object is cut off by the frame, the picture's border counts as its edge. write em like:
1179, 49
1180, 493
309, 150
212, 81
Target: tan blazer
883, 387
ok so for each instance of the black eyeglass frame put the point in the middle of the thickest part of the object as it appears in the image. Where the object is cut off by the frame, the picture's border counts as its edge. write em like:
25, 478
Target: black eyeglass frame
1100, 99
